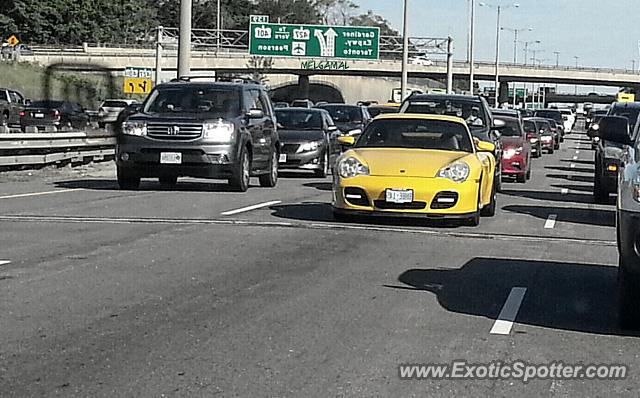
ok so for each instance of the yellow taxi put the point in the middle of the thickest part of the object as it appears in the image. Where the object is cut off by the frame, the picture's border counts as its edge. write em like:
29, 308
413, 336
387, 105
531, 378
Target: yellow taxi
415, 165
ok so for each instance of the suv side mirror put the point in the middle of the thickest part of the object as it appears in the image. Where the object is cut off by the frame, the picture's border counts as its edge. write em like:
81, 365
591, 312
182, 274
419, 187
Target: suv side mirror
615, 129
255, 114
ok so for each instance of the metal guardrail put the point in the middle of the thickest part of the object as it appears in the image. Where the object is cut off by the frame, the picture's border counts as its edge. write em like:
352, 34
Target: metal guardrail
39, 149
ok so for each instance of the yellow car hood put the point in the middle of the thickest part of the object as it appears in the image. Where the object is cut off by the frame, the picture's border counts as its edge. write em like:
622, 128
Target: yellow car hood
399, 162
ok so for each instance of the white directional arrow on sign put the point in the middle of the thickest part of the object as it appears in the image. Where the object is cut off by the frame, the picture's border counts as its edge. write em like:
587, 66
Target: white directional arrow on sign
327, 42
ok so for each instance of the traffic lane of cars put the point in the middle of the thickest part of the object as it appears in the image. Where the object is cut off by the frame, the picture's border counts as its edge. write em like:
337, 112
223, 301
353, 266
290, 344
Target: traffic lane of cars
175, 319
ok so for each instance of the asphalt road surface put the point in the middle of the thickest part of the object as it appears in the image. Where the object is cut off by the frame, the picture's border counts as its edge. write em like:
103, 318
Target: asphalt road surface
204, 292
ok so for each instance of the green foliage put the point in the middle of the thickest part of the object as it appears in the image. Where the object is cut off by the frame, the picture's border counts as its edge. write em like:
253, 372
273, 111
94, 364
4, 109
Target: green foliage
131, 21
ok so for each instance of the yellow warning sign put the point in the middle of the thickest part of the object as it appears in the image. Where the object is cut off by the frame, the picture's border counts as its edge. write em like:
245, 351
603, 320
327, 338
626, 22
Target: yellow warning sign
626, 97
137, 85
13, 41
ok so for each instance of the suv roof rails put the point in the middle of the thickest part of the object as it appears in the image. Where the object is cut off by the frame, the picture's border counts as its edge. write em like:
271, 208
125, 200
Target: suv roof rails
226, 79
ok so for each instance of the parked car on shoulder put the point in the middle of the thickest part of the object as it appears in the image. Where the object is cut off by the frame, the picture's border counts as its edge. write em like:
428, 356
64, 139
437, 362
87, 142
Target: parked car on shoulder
53, 115
218, 130
309, 140
11, 104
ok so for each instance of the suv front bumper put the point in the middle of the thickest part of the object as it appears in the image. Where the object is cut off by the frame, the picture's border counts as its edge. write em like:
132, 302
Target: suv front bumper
140, 156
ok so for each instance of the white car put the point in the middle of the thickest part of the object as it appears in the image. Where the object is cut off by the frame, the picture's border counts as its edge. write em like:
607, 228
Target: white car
569, 119
111, 108
420, 60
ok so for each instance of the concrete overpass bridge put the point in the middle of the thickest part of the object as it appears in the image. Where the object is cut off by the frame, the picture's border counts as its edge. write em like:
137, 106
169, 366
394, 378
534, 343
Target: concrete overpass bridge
338, 72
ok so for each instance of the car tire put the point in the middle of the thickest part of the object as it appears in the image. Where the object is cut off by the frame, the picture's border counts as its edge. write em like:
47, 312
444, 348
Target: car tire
242, 172
127, 181
556, 145
474, 220
169, 182
270, 179
628, 297
551, 150
521, 178
490, 209
324, 171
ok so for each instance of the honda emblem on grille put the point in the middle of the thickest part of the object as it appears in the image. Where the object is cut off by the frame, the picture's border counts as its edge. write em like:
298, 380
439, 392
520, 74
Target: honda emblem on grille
173, 130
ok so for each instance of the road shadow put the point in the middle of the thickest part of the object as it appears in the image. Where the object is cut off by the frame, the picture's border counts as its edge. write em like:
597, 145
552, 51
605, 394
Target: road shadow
298, 175
575, 170
560, 295
549, 196
147, 185
599, 217
321, 186
577, 161
573, 177
323, 212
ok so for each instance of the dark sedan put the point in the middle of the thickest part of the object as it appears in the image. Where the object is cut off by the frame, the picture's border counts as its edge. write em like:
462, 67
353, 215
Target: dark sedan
350, 119
309, 140
53, 116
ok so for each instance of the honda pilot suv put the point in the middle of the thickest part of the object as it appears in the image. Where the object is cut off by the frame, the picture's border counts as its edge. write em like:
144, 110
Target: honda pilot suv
218, 130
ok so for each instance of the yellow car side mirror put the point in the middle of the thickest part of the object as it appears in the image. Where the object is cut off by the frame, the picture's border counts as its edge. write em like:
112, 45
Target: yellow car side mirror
346, 140
484, 146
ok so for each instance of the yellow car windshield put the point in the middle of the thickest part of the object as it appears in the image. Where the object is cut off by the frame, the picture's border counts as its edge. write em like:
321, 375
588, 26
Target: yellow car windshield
416, 134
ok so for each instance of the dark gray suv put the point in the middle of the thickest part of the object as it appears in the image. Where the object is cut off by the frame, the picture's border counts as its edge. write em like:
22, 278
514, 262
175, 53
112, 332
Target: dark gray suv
219, 130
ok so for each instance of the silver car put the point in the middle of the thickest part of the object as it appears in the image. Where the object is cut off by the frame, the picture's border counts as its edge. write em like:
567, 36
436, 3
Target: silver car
111, 108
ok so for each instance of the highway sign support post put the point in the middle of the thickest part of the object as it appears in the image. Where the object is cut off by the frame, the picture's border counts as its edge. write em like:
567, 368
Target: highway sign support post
184, 40
159, 39
405, 50
449, 65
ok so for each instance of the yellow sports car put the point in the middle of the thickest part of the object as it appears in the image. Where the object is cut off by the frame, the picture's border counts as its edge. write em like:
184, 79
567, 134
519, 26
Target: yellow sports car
415, 165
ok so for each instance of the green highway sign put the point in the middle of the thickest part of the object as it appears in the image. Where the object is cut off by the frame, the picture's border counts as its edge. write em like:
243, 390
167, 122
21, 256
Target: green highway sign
314, 41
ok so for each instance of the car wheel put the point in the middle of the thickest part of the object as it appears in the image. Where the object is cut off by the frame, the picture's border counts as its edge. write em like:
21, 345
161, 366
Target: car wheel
556, 145
169, 182
628, 297
241, 175
324, 171
551, 150
528, 175
127, 181
521, 178
271, 179
490, 209
474, 220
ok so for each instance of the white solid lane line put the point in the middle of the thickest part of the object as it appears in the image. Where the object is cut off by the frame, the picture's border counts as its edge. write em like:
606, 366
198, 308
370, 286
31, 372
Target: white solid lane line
4, 262
509, 311
551, 221
25, 195
572, 165
575, 158
249, 208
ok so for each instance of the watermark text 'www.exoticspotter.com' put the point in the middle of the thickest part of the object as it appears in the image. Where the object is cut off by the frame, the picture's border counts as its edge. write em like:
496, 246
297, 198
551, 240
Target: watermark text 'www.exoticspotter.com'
517, 370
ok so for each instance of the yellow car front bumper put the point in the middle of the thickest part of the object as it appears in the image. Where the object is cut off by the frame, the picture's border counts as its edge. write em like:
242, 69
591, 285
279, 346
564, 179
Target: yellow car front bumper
432, 197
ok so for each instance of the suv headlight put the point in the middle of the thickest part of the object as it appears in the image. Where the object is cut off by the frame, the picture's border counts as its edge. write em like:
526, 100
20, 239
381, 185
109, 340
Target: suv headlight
351, 167
456, 172
220, 131
135, 128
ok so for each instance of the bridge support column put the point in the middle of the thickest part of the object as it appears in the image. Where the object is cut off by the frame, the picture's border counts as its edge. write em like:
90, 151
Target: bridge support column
303, 86
504, 93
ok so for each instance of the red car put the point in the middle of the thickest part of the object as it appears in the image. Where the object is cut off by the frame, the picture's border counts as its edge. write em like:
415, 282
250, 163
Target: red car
516, 150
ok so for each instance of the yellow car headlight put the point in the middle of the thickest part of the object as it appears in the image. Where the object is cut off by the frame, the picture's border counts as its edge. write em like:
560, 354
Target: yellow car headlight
351, 167
456, 172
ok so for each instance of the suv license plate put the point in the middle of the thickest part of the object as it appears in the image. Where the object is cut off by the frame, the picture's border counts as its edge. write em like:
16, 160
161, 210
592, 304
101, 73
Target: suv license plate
39, 115
170, 158
283, 158
399, 195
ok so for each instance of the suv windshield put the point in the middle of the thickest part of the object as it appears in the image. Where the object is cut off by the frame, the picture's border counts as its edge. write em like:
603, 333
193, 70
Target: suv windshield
416, 134
529, 127
200, 100
467, 110
630, 113
343, 114
298, 119
549, 114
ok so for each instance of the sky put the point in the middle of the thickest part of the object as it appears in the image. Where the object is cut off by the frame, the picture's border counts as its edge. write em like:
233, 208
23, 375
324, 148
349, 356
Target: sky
601, 33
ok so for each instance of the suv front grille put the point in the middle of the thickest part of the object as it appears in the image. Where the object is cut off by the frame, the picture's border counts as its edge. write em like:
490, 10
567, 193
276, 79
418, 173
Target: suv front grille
174, 131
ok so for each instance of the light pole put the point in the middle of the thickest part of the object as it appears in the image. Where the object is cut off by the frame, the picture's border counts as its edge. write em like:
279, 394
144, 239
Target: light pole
184, 39
526, 48
576, 58
633, 66
557, 53
516, 31
497, 65
218, 27
472, 29
405, 50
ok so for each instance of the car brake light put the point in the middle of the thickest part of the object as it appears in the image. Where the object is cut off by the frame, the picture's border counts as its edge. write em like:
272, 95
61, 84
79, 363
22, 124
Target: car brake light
55, 113
22, 113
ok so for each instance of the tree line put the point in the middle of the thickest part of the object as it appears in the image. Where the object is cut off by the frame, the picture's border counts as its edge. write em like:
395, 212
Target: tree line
133, 21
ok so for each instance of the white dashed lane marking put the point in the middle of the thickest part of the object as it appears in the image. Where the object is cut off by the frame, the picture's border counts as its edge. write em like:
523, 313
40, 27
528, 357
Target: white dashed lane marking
249, 208
509, 311
551, 221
